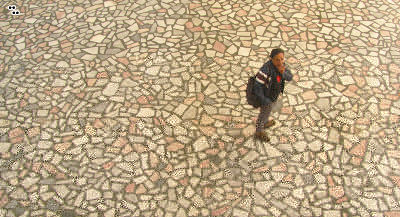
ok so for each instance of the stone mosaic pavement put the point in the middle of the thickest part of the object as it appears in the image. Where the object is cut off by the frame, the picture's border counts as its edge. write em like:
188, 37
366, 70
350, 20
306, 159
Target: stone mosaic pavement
137, 108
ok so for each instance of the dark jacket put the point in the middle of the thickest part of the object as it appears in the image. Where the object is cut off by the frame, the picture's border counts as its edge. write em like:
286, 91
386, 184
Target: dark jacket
267, 87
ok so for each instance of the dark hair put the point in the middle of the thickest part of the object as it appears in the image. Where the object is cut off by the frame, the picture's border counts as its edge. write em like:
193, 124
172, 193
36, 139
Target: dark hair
275, 52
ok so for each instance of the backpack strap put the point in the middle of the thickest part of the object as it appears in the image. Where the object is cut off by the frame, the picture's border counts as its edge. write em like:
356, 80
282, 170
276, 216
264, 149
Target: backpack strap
262, 78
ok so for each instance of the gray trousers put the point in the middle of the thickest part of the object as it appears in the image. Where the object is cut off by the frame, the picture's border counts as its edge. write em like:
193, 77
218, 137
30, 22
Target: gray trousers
265, 111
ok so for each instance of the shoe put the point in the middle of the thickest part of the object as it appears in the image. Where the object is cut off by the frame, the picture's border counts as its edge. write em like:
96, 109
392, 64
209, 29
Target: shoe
262, 136
269, 124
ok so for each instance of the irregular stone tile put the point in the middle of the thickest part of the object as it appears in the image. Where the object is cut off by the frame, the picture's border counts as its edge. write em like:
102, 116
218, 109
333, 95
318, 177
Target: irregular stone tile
111, 89
98, 38
200, 144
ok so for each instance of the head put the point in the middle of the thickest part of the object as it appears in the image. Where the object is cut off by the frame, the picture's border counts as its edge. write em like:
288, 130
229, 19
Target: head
277, 56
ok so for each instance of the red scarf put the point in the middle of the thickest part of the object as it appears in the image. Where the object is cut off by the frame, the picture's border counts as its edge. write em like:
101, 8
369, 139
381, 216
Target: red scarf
278, 78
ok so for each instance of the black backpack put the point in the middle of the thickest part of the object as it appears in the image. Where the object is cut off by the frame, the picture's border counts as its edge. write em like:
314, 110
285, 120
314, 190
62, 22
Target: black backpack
250, 96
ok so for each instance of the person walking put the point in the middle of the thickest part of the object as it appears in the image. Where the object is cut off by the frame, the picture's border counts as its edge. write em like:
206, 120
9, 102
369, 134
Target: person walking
270, 82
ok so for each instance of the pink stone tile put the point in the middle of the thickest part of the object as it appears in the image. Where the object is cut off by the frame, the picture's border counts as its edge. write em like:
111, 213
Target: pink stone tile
139, 148
309, 95
78, 10
126, 74
176, 146
288, 178
335, 50
239, 141
3, 199
155, 176
292, 138
60, 14
226, 118
303, 36
360, 81
231, 196
142, 100
310, 36
283, 139
194, 6
53, 28
207, 191
23, 103
356, 161
385, 33
62, 147
394, 68
203, 76
219, 211
196, 29
322, 45
34, 131
141, 189
205, 164
261, 169
200, 97
216, 10
67, 49
257, 23
243, 151
394, 153
127, 149
80, 95
134, 44
221, 61
169, 168
279, 168
159, 30
392, 214
98, 124
102, 75
285, 28
120, 142
267, 18
91, 82
130, 188
374, 41
36, 167
65, 44
345, 40
385, 104
393, 97
162, 10
396, 180
341, 200
184, 181
241, 13
123, 60
209, 131
113, 150
227, 27
68, 138
349, 93
16, 135
50, 168
331, 183
108, 165
359, 149
69, 27
336, 192
285, 36
154, 161
213, 151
